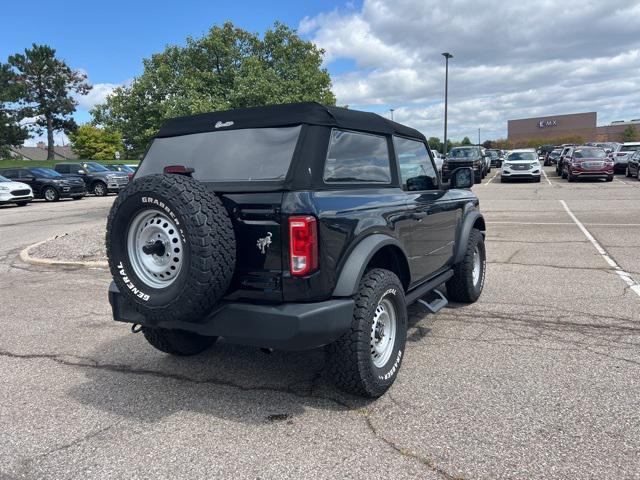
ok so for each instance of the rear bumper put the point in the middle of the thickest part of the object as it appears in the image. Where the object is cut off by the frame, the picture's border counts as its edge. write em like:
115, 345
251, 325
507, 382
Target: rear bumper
288, 326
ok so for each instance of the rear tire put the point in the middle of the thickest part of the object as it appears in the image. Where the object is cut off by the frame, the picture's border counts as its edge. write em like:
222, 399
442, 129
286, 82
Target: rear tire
627, 172
466, 284
609, 178
365, 360
177, 342
571, 178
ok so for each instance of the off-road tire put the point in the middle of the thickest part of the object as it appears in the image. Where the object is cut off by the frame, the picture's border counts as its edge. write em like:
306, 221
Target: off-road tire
477, 177
460, 287
209, 247
349, 358
609, 178
177, 342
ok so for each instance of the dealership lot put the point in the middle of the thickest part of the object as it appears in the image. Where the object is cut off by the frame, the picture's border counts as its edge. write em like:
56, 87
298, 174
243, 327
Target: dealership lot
538, 379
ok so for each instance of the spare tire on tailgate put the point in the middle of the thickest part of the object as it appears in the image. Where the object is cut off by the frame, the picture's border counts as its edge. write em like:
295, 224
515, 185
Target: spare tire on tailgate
171, 247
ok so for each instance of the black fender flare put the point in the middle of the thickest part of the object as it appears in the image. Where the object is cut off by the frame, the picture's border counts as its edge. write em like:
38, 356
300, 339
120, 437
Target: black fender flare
470, 219
353, 269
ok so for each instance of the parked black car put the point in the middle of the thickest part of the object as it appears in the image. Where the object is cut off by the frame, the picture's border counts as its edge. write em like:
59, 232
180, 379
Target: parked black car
325, 240
552, 157
633, 165
496, 157
47, 183
98, 179
471, 157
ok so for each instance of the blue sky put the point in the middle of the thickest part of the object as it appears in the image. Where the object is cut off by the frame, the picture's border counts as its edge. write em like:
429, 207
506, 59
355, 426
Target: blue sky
511, 59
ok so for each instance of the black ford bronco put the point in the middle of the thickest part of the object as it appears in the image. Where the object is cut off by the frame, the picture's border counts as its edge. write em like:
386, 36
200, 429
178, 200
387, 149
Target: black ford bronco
293, 227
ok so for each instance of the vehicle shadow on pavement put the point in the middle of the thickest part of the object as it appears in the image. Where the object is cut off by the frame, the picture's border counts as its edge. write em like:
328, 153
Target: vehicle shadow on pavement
129, 378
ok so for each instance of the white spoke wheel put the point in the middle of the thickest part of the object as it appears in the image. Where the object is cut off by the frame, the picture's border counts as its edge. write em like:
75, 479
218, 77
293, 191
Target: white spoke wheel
477, 266
171, 248
50, 195
383, 332
155, 248
366, 359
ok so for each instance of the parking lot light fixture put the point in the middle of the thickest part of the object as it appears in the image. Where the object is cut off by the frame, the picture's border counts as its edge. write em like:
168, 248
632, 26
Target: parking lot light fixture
446, 56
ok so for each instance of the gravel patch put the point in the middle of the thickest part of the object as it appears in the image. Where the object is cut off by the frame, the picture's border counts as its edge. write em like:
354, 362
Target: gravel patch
80, 246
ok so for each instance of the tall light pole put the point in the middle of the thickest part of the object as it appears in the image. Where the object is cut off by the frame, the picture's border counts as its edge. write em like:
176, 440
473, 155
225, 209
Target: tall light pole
447, 56
478, 137
391, 110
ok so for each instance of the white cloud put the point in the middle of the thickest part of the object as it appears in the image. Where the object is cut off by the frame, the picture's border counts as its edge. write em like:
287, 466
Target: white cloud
96, 95
511, 59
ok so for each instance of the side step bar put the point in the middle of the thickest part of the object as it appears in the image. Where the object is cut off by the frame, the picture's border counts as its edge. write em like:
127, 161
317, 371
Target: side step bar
417, 294
436, 304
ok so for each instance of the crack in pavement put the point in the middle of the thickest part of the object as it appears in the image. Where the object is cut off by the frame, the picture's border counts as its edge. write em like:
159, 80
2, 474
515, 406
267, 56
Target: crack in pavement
307, 392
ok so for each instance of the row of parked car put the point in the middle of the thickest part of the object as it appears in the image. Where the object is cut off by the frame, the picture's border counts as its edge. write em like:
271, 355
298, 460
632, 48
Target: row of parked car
21, 185
595, 160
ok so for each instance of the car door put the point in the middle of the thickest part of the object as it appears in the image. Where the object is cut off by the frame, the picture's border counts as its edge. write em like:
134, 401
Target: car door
431, 237
25, 176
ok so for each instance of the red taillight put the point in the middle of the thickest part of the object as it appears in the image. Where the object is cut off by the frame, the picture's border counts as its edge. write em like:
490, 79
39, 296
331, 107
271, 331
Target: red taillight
178, 170
303, 245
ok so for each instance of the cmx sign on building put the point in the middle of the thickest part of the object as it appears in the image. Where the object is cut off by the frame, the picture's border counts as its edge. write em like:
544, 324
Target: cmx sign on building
556, 126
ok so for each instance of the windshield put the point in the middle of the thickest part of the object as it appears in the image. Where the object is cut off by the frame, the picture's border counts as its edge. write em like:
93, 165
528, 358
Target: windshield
589, 153
463, 153
522, 156
4, 179
555, 153
630, 148
95, 167
252, 154
45, 173
493, 153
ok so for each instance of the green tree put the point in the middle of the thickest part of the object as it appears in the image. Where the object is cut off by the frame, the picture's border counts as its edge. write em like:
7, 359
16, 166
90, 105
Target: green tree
435, 144
227, 68
630, 134
96, 143
48, 83
11, 132
465, 141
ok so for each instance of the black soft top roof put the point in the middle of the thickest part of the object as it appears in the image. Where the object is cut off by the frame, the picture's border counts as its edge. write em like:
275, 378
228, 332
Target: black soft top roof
289, 114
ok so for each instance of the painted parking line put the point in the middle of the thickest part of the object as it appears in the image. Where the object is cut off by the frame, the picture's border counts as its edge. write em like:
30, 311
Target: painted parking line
626, 278
624, 183
546, 178
565, 223
491, 179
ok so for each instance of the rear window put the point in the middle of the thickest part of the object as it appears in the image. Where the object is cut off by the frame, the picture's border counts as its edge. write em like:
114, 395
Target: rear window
253, 154
357, 157
630, 148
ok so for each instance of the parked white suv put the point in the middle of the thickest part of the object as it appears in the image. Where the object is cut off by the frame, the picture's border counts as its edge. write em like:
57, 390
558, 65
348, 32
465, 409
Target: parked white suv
521, 163
14, 192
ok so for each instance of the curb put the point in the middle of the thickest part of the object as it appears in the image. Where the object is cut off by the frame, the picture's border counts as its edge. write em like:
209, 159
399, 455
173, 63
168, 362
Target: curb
27, 258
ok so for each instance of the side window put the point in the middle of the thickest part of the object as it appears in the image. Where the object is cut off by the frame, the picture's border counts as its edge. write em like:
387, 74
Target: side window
416, 168
13, 174
357, 157
61, 169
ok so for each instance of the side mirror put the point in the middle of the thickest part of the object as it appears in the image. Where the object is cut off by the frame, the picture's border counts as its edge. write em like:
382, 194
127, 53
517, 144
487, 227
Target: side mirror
82, 172
461, 178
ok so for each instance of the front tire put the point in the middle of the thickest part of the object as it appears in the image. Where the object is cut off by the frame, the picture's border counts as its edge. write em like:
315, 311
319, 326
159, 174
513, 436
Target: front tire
627, 172
100, 189
177, 342
468, 276
50, 194
365, 360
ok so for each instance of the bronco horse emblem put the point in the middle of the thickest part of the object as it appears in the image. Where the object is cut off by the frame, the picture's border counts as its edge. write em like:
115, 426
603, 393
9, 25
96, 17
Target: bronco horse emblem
263, 243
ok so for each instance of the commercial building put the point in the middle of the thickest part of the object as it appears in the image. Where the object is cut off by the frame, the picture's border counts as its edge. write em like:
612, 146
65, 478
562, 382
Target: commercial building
570, 125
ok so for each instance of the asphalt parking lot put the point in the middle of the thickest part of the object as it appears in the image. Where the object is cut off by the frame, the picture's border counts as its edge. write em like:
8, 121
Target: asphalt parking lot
539, 379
